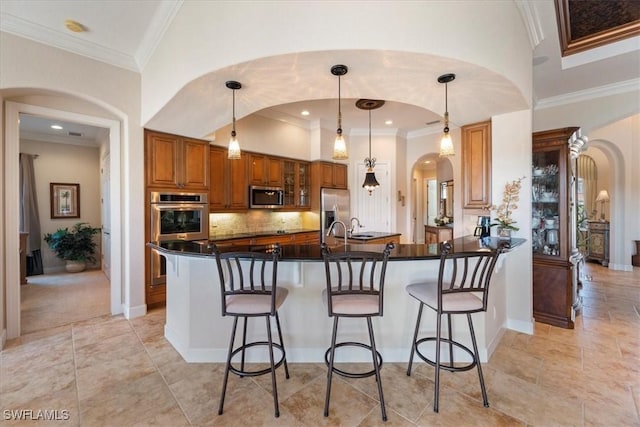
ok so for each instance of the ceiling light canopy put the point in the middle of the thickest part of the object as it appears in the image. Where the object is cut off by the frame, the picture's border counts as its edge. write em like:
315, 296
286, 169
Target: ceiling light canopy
446, 144
339, 146
234, 146
370, 181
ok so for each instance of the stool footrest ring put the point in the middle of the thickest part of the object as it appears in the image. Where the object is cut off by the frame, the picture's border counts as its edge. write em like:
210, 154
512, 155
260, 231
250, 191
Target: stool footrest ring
446, 365
353, 374
245, 373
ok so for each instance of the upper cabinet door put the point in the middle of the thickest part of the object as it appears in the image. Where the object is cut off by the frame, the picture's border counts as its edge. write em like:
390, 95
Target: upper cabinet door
195, 164
161, 152
176, 162
265, 170
476, 165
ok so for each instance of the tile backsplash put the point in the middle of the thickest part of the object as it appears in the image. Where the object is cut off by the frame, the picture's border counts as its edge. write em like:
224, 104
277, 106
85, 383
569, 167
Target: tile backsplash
256, 221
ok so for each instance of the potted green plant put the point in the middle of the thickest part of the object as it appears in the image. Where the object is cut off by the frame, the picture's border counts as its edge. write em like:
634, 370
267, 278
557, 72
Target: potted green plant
75, 246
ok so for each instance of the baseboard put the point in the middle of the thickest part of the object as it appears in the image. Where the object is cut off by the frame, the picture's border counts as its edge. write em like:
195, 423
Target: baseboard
520, 326
133, 312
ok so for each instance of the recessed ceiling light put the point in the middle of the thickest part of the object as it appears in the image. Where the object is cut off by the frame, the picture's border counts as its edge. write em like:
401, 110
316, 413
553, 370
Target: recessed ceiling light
74, 26
56, 127
304, 113
388, 122
426, 162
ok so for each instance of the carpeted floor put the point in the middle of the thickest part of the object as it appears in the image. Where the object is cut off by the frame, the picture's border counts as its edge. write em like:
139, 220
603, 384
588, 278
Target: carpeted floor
52, 300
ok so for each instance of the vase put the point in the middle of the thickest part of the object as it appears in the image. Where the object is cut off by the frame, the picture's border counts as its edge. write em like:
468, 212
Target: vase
504, 233
75, 266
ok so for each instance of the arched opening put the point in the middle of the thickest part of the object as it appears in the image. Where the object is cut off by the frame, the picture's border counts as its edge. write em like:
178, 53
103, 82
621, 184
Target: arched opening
12, 146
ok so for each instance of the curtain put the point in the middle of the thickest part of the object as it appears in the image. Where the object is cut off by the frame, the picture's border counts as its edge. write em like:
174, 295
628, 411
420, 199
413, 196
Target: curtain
29, 216
588, 172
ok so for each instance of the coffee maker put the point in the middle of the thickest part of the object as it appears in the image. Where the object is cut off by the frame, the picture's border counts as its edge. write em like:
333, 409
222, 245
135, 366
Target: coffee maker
482, 230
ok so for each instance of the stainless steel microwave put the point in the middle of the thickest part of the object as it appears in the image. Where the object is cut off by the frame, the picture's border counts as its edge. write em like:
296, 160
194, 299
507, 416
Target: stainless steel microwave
266, 197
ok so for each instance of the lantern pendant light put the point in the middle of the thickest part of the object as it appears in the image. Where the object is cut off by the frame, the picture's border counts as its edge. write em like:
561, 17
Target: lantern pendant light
234, 147
339, 146
370, 182
446, 144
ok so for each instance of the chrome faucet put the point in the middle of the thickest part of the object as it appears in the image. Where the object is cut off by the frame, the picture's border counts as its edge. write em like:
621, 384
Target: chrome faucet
352, 229
343, 226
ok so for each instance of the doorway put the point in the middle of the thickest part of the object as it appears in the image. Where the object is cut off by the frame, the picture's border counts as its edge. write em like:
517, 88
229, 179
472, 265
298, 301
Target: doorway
12, 146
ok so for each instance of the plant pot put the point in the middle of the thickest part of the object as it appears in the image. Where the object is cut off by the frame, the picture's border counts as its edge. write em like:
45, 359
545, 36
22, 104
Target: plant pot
504, 234
75, 266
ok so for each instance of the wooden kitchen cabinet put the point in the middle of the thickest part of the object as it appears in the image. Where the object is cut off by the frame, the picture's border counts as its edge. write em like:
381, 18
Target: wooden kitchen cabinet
229, 191
435, 234
297, 184
265, 170
476, 165
176, 162
327, 175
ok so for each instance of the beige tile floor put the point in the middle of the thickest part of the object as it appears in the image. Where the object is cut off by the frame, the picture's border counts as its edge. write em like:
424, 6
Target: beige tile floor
114, 372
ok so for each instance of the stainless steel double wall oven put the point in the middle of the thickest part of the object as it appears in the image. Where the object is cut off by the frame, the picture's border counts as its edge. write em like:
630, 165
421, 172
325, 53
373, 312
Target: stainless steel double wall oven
176, 216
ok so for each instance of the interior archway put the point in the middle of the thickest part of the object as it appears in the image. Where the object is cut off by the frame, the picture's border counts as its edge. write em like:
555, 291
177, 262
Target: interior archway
12, 143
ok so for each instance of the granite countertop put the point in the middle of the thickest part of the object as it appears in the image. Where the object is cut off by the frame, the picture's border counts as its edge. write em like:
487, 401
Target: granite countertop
231, 236
313, 252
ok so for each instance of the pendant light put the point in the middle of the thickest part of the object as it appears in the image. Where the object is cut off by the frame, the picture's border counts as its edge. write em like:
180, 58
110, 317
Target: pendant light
370, 181
234, 147
446, 144
339, 146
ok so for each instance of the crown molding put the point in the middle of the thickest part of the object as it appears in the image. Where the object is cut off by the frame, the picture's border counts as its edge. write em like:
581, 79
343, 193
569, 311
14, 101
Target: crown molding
632, 85
531, 19
38, 33
159, 24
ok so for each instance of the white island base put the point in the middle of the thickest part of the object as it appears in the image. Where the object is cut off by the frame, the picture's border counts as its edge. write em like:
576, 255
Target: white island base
195, 327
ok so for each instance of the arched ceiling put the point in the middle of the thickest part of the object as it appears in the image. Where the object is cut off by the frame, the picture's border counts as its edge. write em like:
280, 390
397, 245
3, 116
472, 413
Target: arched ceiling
204, 104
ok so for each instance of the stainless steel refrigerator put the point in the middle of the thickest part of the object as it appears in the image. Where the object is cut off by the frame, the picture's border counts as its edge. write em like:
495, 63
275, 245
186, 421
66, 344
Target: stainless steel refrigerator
335, 205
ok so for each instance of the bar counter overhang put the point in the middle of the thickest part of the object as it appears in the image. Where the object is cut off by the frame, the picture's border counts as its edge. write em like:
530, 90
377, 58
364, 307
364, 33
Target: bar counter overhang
197, 330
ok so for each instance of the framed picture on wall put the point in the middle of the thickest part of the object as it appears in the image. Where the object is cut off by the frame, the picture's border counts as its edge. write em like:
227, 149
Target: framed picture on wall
65, 200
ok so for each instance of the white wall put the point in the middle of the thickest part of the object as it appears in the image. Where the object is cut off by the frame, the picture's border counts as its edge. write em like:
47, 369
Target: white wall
65, 163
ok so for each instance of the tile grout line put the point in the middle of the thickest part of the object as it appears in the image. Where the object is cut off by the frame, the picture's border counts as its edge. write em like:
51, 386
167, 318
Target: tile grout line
164, 380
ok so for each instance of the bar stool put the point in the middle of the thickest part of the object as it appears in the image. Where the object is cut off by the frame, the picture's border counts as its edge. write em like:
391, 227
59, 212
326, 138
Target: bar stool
354, 288
248, 286
462, 287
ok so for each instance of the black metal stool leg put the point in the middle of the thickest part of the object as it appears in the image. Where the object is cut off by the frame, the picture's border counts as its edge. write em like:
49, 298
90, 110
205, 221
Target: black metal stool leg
330, 371
286, 367
436, 394
450, 340
485, 400
244, 342
274, 387
226, 368
415, 339
376, 367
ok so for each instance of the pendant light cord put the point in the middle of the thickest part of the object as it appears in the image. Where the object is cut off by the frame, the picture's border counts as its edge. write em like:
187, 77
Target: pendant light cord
369, 134
233, 127
339, 109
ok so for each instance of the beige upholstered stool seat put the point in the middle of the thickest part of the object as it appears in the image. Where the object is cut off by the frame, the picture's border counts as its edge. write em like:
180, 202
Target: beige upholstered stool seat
253, 303
354, 304
427, 293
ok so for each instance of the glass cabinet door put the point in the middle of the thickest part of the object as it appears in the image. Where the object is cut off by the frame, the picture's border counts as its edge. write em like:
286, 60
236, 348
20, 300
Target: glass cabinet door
304, 186
546, 198
289, 183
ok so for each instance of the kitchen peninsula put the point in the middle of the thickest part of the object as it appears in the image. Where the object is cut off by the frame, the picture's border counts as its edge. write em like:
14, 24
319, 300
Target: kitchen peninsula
195, 327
